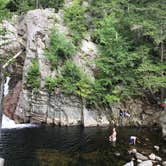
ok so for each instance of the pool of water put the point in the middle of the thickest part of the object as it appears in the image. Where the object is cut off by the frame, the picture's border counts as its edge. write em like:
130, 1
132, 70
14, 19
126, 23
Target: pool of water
75, 146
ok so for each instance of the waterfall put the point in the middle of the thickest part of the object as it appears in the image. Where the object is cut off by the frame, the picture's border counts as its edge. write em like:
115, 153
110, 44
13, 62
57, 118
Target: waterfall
7, 123
6, 86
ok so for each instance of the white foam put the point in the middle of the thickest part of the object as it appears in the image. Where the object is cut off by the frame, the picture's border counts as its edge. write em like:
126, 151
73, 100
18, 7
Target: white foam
6, 86
7, 123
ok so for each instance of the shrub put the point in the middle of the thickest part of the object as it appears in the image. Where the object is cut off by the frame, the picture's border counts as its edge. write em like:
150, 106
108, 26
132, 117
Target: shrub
59, 49
50, 83
33, 76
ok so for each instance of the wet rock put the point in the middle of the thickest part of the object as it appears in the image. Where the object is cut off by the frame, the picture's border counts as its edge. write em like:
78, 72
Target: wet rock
154, 162
131, 163
164, 150
152, 156
149, 112
2, 162
132, 151
147, 139
146, 163
141, 156
117, 154
157, 147
158, 158
164, 163
139, 161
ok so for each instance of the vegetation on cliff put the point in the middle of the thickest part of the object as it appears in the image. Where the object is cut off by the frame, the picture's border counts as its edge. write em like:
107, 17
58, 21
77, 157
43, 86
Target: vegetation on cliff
33, 76
131, 40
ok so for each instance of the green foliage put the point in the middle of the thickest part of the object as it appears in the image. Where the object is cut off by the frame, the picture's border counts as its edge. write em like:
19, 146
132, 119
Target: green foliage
75, 19
25, 5
70, 76
56, 4
129, 35
33, 76
71, 81
5, 13
3, 3
50, 83
59, 49
151, 77
131, 38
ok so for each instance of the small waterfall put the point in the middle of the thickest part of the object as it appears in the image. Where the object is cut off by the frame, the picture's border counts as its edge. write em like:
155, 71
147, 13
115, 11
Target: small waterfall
6, 86
7, 123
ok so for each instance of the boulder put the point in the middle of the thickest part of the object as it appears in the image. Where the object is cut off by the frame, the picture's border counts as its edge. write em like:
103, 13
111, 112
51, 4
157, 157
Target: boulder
164, 163
158, 158
146, 163
2, 162
132, 151
156, 147
139, 161
152, 156
141, 156
131, 163
117, 154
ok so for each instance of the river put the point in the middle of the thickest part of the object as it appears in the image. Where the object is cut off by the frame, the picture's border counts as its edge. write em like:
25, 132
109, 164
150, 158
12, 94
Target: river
74, 146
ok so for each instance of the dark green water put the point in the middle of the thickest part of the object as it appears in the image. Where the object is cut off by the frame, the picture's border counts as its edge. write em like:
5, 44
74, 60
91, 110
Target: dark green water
75, 146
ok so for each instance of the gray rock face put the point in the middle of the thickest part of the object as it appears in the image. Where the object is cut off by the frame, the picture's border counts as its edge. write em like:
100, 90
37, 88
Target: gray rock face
138, 111
146, 163
86, 56
51, 109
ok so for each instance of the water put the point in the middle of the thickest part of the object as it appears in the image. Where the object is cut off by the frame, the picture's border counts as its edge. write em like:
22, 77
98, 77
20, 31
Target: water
6, 86
74, 146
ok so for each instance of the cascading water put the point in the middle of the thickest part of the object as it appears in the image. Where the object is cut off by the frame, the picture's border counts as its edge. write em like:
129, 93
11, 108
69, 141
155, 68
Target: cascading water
6, 121
6, 86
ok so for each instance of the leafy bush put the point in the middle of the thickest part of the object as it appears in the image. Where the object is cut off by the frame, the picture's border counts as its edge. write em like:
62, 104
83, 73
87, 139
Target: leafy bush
50, 83
71, 81
5, 13
59, 49
33, 76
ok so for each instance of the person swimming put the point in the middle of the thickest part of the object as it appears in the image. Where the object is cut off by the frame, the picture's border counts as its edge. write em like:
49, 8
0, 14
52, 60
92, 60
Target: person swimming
112, 137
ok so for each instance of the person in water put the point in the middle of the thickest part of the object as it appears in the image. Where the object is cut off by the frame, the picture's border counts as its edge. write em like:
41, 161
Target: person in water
112, 137
132, 140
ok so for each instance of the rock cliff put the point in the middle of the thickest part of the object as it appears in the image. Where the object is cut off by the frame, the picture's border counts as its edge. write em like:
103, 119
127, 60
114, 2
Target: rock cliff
30, 33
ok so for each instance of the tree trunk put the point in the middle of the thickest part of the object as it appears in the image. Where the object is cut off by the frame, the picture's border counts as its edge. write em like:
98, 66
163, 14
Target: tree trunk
37, 4
162, 60
1, 95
